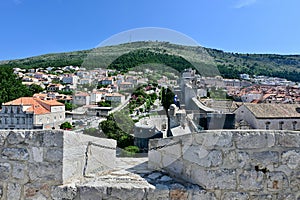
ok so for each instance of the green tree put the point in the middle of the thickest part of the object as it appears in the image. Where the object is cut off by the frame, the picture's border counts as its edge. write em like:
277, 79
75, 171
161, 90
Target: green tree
66, 125
11, 86
167, 98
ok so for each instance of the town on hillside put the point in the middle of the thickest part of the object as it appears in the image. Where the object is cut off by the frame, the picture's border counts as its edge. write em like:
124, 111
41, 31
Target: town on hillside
135, 106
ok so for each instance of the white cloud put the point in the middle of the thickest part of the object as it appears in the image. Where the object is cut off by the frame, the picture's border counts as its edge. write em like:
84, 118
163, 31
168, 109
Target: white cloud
244, 3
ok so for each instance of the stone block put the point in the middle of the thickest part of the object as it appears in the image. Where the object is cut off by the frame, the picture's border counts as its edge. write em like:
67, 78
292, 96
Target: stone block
42, 172
3, 136
5, 170
235, 195
1, 191
53, 155
213, 140
53, 139
19, 154
33, 191
14, 191
251, 180
214, 179
154, 159
67, 192
230, 160
287, 196
37, 154
34, 138
178, 192
291, 159
243, 159
19, 172
197, 193
256, 196
288, 139
295, 181
254, 140
265, 158
15, 137
176, 168
161, 192
90, 192
277, 181
202, 157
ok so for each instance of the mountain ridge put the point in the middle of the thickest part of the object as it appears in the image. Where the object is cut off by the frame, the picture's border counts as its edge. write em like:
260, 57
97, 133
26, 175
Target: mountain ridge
229, 64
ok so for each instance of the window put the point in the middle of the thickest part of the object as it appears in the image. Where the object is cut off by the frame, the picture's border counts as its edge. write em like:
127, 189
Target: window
280, 125
268, 125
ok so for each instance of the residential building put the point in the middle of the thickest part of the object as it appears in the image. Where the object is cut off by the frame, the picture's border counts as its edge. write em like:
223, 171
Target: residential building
70, 79
81, 99
270, 116
115, 97
106, 81
31, 113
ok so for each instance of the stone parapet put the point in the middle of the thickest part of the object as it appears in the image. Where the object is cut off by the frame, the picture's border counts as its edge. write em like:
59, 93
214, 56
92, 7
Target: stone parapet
31, 162
249, 164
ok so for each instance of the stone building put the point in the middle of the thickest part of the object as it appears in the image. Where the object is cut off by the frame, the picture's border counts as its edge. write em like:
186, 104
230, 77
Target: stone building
31, 113
270, 116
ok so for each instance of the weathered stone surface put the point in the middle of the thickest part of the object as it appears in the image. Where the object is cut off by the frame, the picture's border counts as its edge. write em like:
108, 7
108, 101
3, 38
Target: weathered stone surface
277, 181
287, 196
45, 172
37, 154
212, 139
1, 191
218, 179
243, 159
19, 171
178, 192
251, 180
34, 138
5, 169
295, 181
265, 158
254, 140
15, 154
67, 192
263, 197
230, 160
161, 192
155, 175
16, 137
3, 136
33, 191
197, 193
53, 139
288, 139
89, 192
235, 196
203, 157
53, 155
176, 167
291, 159
14, 191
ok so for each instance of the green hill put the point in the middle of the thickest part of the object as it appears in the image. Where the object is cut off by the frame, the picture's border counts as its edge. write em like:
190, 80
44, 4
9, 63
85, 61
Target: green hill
206, 61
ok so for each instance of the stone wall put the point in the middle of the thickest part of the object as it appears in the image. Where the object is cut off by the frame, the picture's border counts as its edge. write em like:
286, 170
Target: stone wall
32, 162
233, 164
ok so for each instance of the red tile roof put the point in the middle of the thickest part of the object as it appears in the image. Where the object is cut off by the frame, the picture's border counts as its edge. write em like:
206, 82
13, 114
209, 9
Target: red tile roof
34, 105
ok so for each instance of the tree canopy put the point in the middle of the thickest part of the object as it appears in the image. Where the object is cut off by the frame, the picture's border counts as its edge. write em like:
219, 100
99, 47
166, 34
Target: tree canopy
11, 86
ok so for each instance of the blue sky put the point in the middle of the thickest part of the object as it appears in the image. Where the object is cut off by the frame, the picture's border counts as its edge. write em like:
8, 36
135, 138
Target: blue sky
35, 27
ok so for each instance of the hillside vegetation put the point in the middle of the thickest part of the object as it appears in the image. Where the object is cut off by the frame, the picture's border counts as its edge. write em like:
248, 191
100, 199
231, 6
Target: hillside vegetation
206, 61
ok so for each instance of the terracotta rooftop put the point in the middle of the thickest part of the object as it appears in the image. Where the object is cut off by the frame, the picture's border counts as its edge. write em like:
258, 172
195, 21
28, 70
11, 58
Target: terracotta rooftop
274, 110
34, 104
